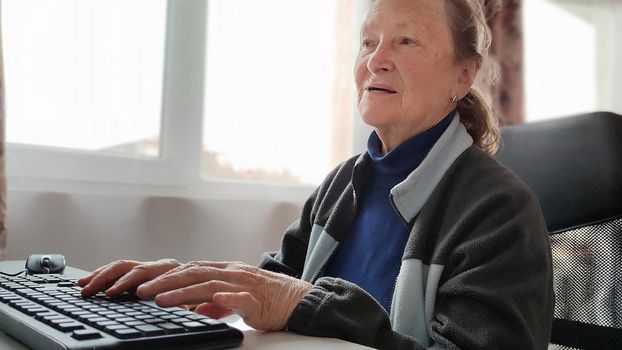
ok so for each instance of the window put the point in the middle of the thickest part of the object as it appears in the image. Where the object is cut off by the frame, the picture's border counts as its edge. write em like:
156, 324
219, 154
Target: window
161, 89
571, 55
273, 69
85, 75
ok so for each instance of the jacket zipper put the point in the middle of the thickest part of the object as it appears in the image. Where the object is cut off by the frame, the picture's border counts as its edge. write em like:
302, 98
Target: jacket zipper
321, 271
404, 222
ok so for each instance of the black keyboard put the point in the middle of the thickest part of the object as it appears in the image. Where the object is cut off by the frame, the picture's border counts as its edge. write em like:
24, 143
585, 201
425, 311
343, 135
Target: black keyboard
48, 312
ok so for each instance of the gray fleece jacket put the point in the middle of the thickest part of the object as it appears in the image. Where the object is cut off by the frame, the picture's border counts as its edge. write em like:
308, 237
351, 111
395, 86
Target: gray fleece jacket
476, 271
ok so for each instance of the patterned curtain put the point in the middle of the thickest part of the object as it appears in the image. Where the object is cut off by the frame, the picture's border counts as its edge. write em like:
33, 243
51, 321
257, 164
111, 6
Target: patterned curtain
2, 173
502, 75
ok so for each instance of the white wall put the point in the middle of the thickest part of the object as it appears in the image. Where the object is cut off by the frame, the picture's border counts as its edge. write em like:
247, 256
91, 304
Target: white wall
93, 229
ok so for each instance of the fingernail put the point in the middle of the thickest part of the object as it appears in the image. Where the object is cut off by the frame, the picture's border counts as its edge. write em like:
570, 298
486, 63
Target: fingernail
141, 293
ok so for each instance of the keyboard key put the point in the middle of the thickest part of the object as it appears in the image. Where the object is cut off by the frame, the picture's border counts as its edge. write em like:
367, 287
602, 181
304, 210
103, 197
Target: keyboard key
184, 313
48, 319
158, 313
154, 320
171, 328
78, 312
65, 306
97, 319
44, 299
41, 315
84, 304
11, 298
34, 310
69, 326
150, 330
114, 327
126, 333
65, 284
214, 324
106, 323
88, 316
59, 320
121, 310
105, 312
36, 279
25, 304
115, 316
70, 310
195, 326
85, 334
12, 286
51, 279
196, 317
180, 320
24, 291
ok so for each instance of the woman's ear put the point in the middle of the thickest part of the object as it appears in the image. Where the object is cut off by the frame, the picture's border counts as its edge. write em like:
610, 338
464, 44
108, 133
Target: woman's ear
468, 72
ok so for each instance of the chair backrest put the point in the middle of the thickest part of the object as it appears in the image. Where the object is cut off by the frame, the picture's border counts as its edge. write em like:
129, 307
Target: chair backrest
574, 167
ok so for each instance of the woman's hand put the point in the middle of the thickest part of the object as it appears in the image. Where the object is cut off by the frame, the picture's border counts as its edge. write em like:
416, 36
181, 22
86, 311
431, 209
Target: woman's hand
264, 299
123, 276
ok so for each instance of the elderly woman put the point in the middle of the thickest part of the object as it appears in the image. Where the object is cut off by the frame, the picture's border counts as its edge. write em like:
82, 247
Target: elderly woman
422, 242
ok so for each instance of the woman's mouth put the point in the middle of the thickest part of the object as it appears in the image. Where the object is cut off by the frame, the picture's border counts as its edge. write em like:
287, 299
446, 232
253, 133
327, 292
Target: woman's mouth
381, 89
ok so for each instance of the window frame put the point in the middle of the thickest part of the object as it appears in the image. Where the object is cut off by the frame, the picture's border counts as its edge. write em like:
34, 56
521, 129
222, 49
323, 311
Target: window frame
176, 171
181, 96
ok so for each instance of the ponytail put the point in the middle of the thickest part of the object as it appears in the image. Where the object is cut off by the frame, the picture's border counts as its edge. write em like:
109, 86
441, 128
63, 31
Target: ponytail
476, 115
472, 39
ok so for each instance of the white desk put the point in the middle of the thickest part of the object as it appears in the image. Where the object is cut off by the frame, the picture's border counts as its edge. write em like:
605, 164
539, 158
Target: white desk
252, 339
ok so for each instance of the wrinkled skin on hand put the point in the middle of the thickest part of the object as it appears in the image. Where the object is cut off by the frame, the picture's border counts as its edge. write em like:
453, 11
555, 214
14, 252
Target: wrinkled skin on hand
264, 299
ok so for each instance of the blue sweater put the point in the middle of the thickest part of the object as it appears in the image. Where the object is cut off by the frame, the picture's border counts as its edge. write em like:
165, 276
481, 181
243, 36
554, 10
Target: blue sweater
371, 254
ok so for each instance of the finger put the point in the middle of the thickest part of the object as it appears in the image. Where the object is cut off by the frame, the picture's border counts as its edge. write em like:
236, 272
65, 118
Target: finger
140, 274
86, 279
109, 274
218, 265
136, 276
192, 275
194, 294
212, 310
243, 304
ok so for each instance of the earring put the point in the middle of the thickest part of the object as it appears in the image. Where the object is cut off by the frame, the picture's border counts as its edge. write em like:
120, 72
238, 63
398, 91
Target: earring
454, 99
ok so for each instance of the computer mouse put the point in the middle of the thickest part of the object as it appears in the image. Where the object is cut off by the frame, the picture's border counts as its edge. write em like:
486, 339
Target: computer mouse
45, 263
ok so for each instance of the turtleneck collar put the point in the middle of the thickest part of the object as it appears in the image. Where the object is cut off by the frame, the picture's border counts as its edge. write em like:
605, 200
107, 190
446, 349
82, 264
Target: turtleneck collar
407, 156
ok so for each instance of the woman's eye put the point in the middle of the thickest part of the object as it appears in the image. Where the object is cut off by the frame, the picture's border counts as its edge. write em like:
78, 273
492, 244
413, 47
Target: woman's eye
407, 41
365, 43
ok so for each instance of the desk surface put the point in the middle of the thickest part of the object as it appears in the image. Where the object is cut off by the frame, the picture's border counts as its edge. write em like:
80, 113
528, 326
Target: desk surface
253, 339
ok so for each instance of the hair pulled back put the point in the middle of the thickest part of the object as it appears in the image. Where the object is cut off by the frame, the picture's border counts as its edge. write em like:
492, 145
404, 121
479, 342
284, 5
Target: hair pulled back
472, 39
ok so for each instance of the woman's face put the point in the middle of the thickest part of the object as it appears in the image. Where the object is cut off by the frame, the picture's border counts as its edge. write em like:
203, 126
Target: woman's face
406, 72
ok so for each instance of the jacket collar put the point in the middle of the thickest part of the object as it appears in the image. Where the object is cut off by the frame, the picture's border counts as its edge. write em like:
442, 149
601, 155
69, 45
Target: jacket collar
410, 195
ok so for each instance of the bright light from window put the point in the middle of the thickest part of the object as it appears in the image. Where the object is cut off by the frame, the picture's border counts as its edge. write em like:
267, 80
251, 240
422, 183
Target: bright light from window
84, 74
561, 59
272, 74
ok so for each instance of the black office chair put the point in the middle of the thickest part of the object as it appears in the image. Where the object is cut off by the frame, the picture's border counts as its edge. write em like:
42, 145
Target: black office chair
574, 167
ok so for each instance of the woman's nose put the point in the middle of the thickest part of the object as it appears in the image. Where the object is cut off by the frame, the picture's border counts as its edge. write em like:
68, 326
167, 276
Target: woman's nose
381, 59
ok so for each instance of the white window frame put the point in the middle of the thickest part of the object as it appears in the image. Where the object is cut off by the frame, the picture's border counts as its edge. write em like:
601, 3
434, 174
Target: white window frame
182, 96
177, 170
